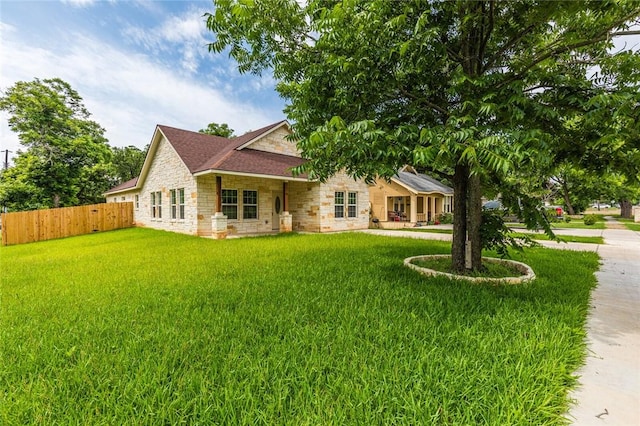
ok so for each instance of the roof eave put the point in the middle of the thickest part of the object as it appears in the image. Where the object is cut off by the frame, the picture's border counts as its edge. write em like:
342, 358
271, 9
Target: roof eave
247, 174
262, 135
119, 191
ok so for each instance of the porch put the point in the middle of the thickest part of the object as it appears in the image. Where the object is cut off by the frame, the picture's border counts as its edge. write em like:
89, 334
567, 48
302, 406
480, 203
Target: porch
232, 205
403, 211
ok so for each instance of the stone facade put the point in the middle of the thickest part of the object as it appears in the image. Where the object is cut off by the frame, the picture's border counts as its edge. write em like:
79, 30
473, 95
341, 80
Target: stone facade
167, 172
311, 205
343, 183
276, 142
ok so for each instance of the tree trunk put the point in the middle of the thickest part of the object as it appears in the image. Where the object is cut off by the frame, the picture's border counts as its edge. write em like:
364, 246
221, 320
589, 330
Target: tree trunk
567, 201
460, 181
474, 220
625, 209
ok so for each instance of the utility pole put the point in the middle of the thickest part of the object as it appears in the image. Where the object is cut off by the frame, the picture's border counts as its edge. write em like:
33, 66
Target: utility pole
6, 159
5, 167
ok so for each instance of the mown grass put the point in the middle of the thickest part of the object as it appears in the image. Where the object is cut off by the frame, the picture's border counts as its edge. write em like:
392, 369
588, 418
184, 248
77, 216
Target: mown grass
629, 223
533, 236
146, 327
430, 230
632, 226
563, 238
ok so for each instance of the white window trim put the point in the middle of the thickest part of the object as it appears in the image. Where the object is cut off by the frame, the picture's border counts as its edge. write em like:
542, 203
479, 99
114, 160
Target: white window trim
182, 208
257, 205
354, 205
177, 214
156, 205
336, 204
228, 204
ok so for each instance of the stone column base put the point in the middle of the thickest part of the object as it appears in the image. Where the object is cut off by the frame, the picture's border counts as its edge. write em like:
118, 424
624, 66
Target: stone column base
286, 222
219, 226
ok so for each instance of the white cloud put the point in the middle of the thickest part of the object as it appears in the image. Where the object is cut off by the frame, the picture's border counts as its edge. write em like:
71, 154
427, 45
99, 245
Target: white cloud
184, 34
127, 93
79, 3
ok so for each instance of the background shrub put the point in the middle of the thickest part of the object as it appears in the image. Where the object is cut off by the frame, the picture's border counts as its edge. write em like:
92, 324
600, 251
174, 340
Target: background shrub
446, 218
590, 219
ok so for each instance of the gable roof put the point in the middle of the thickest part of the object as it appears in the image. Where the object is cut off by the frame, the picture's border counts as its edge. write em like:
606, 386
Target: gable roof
418, 182
130, 184
200, 151
203, 153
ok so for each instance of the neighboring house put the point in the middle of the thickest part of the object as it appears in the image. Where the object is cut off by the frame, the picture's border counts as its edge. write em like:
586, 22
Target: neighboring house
208, 185
410, 198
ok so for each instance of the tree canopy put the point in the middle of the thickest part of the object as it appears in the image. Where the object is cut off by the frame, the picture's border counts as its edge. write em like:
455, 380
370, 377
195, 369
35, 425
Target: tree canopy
66, 158
127, 162
475, 90
218, 130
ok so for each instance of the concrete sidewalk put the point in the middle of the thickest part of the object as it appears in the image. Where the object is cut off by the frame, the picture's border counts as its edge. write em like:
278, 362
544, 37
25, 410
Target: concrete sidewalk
609, 390
609, 384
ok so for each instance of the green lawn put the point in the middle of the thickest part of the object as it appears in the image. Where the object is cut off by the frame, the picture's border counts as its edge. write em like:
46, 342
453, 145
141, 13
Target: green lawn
576, 223
564, 238
629, 223
633, 226
146, 327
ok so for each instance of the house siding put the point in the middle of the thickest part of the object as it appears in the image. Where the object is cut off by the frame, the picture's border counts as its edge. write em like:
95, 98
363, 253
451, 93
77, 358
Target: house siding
380, 192
311, 204
276, 142
265, 188
206, 203
304, 206
166, 172
327, 190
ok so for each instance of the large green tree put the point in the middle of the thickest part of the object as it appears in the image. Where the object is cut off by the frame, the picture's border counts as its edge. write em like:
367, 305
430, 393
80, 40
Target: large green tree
472, 89
218, 130
127, 162
66, 158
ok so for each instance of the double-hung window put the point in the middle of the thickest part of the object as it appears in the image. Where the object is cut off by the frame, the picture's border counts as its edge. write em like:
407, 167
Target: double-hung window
156, 204
177, 203
352, 204
137, 202
230, 203
339, 204
181, 203
249, 204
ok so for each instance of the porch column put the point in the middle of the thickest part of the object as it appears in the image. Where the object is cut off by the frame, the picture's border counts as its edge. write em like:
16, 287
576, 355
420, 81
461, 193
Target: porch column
413, 217
218, 220
218, 194
433, 208
286, 222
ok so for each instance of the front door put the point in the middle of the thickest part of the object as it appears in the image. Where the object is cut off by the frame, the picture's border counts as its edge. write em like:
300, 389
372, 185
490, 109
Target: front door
275, 210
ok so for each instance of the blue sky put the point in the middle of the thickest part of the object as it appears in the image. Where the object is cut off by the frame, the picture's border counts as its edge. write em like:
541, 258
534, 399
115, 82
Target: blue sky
135, 63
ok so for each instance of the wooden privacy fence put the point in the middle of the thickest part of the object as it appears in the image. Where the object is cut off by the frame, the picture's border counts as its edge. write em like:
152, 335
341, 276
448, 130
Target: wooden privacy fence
40, 225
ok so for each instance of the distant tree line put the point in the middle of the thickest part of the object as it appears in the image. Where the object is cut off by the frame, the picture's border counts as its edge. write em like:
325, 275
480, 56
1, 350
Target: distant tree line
66, 160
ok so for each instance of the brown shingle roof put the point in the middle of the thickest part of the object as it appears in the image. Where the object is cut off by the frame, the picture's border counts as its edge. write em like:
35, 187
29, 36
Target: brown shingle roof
201, 152
195, 148
130, 184
259, 162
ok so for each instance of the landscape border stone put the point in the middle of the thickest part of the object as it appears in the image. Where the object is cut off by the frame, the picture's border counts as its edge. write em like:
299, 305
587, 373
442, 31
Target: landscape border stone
527, 273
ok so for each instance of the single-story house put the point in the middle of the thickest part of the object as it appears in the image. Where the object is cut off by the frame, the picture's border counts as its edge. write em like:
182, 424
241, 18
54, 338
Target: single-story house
208, 185
409, 198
